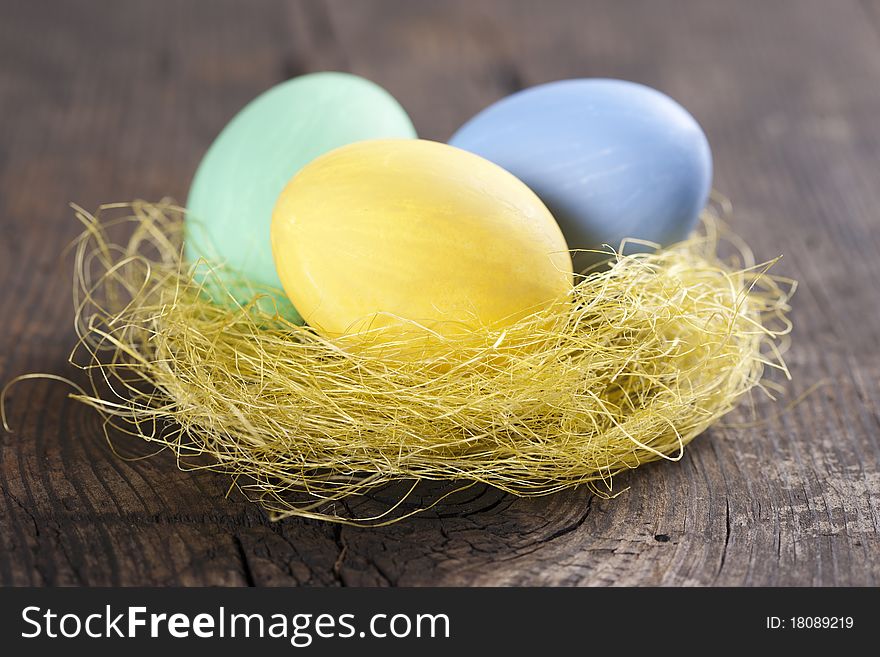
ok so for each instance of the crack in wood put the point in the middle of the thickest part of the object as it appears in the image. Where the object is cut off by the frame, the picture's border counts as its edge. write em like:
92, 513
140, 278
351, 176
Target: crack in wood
246, 570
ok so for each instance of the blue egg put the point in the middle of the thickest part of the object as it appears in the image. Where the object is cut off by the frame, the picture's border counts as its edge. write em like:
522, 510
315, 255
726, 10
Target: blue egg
611, 159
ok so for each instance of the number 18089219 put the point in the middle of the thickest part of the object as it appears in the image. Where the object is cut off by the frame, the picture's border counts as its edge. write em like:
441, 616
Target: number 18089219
810, 623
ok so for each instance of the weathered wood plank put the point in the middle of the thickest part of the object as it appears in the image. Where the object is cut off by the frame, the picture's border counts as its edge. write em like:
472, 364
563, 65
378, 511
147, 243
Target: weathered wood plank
103, 102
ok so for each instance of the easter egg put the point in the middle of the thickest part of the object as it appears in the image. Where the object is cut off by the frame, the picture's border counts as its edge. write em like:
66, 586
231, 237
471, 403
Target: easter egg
397, 235
611, 159
235, 186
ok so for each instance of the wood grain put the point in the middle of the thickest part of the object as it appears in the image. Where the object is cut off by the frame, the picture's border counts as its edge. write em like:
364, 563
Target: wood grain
104, 101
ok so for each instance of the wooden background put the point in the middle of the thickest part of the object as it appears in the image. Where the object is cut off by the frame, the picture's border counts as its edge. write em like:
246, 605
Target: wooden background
107, 101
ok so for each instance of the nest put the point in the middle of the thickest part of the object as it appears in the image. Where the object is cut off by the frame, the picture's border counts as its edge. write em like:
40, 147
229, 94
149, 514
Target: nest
653, 348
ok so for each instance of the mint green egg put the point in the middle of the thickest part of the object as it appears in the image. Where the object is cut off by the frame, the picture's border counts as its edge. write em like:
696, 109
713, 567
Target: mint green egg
236, 184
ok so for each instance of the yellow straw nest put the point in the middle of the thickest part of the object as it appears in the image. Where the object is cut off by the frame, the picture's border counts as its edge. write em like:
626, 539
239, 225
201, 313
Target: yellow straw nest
652, 350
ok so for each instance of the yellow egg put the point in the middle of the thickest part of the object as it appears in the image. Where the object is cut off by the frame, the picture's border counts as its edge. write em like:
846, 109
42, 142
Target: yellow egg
389, 234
